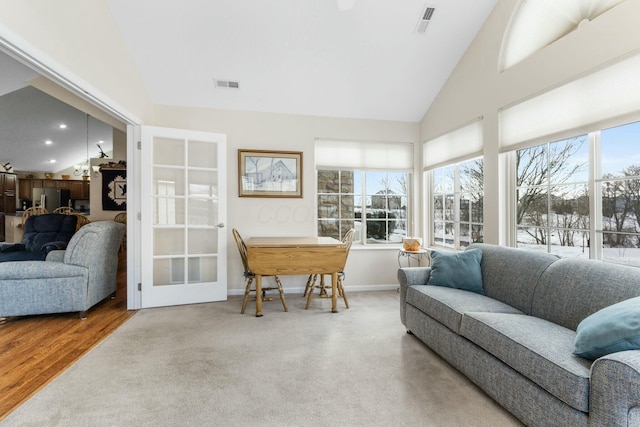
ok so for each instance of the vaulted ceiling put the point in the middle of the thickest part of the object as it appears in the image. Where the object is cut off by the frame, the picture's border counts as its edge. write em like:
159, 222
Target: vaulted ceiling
356, 59
369, 59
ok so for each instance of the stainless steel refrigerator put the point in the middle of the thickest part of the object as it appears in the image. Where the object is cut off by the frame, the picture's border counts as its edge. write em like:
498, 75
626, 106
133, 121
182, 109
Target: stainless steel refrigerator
51, 198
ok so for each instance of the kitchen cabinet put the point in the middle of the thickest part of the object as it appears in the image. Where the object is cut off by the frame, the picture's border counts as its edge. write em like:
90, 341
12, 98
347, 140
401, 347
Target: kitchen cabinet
24, 188
79, 189
64, 184
8, 187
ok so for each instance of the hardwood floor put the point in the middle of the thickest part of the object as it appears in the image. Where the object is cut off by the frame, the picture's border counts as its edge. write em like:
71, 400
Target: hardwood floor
36, 349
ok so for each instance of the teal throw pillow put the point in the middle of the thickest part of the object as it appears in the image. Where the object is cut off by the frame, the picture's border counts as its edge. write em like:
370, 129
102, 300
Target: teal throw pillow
460, 270
612, 329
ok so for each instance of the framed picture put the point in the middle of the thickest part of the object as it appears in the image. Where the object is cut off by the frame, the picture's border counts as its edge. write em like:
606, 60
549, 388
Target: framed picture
269, 173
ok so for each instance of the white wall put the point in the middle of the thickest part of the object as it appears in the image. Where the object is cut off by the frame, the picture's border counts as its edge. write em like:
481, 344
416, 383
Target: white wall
478, 89
366, 268
79, 39
83, 44
119, 153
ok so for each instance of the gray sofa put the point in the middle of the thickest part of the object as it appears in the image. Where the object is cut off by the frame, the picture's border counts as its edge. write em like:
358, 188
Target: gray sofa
516, 341
68, 280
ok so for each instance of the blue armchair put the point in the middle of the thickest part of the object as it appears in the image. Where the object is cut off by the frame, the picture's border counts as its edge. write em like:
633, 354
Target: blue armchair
42, 233
75, 279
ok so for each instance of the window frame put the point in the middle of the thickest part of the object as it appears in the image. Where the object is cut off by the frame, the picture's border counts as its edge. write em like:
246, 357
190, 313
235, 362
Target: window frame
361, 234
595, 178
430, 192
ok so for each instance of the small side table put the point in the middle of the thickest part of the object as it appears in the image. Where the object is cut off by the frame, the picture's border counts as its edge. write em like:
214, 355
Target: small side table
418, 256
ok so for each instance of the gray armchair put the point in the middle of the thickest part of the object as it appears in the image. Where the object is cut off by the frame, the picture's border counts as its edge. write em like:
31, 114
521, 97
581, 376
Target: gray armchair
71, 280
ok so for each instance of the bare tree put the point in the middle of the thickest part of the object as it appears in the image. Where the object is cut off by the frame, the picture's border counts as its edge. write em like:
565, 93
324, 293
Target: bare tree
616, 206
541, 171
540, 168
632, 188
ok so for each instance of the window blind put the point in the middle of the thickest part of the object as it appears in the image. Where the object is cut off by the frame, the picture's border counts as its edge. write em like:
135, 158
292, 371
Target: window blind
590, 100
461, 144
363, 155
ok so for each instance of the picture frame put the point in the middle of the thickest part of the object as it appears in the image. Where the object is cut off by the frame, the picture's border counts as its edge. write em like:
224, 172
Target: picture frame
269, 173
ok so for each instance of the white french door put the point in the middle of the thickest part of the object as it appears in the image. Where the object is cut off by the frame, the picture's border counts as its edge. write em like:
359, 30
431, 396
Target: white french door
183, 215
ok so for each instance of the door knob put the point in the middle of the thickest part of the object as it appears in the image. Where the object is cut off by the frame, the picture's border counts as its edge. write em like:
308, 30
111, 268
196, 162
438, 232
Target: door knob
220, 225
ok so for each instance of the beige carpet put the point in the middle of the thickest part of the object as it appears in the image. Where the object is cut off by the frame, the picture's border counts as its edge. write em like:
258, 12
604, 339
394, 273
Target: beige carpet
208, 365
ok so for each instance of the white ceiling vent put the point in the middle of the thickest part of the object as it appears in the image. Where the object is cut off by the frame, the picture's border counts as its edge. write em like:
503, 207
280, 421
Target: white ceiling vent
425, 19
227, 84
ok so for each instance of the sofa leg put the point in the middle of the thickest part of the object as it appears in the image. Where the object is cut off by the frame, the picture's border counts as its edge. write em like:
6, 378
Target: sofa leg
83, 315
409, 332
113, 295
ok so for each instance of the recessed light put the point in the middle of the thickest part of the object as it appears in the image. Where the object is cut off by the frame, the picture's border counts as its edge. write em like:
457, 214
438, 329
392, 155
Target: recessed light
48, 142
62, 126
52, 161
101, 141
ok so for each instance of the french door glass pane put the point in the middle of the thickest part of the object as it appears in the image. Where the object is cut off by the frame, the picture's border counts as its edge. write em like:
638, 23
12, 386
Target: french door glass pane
203, 212
203, 183
203, 154
168, 181
168, 151
168, 211
208, 270
162, 272
168, 241
203, 241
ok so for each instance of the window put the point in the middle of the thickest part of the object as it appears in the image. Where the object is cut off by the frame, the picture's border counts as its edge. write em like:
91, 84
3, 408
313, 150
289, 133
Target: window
364, 185
457, 207
374, 203
556, 210
552, 196
619, 192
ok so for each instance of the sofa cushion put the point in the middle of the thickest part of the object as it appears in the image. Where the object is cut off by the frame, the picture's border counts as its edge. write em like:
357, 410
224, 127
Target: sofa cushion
612, 329
572, 289
538, 349
510, 275
447, 305
460, 270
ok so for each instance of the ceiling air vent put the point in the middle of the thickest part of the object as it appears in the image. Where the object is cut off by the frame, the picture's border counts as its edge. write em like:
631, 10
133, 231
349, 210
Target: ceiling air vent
425, 19
228, 84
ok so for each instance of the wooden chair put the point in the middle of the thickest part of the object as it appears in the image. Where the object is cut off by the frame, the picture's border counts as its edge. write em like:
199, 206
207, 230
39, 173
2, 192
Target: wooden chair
122, 219
82, 220
35, 210
313, 278
65, 210
250, 276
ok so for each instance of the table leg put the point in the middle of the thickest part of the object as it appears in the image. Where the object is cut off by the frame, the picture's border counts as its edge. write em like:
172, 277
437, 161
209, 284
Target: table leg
334, 292
258, 295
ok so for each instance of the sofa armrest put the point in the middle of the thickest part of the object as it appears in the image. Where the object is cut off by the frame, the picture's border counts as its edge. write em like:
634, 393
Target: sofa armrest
615, 389
410, 276
38, 270
56, 256
53, 246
